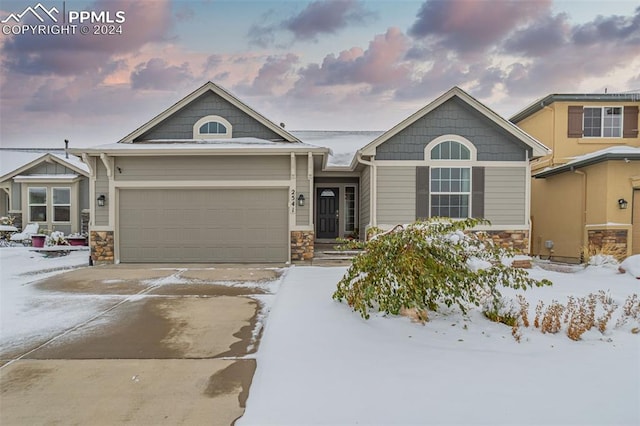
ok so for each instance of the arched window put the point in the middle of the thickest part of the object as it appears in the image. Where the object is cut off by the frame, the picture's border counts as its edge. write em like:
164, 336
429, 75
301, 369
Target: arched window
449, 158
450, 150
212, 127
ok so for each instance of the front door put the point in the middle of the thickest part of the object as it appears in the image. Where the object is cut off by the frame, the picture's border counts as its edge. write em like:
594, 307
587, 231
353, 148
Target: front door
327, 213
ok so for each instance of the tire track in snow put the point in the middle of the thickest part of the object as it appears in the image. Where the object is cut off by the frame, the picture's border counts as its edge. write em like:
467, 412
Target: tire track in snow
153, 284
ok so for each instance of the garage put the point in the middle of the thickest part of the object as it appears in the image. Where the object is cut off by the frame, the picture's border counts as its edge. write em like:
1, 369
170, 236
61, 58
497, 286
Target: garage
203, 225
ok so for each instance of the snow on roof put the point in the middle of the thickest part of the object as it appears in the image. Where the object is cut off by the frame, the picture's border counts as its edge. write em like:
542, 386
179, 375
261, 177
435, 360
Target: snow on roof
612, 153
46, 177
179, 144
343, 144
13, 159
623, 150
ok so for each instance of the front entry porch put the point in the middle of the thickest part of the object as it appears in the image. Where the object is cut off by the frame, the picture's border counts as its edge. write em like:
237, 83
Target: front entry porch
336, 212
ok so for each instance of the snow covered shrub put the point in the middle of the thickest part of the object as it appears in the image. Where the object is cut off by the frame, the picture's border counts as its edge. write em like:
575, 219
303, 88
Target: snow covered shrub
630, 312
426, 264
608, 254
501, 310
56, 238
581, 313
549, 321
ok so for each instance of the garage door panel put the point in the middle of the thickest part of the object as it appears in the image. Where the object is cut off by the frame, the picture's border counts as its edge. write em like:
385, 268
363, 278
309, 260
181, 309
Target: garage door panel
215, 225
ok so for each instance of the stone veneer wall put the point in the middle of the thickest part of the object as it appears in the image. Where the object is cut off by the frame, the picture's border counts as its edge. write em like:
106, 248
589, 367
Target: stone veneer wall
84, 222
598, 238
302, 245
101, 243
516, 240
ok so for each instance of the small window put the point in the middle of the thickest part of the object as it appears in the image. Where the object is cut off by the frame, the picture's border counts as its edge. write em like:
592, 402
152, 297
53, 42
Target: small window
37, 204
61, 204
450, 150
212, 127
605, 122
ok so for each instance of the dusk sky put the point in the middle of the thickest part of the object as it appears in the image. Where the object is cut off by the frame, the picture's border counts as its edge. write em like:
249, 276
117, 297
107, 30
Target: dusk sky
319, 65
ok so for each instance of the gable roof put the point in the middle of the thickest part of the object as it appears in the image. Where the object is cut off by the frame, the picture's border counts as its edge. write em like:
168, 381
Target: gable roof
539, 104
209, 86
620, 153
538, 148
14, 162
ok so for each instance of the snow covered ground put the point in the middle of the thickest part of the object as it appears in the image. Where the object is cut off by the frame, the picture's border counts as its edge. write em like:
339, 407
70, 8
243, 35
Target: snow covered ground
320, 363
28, 315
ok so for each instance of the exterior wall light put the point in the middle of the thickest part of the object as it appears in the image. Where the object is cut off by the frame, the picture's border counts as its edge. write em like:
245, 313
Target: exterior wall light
301, 200
622, 203
102, 200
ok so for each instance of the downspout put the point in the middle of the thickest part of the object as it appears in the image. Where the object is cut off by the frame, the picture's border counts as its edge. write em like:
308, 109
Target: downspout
527, 201
584, 206
373, 198
92, 188
311, 194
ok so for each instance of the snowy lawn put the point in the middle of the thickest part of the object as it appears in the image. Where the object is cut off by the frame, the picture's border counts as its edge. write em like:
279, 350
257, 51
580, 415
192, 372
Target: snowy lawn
28, 315
321, 363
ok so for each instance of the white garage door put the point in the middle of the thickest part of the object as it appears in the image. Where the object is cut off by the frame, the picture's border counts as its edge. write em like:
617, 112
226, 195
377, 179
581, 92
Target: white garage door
203, 225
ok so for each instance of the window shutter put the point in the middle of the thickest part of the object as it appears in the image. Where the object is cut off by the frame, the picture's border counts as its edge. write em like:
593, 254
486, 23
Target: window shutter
477, 192
630, 119
422, 192
575, 122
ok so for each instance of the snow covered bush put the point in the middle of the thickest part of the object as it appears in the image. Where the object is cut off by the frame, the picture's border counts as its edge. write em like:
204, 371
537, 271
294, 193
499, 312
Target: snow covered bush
56, 238
425, 264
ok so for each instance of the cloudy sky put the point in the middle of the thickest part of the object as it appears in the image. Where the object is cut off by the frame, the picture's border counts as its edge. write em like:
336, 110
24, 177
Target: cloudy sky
314, 65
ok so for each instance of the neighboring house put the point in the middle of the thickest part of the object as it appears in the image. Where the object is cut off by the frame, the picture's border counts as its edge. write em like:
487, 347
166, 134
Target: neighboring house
46, 187
585, 194
212, 180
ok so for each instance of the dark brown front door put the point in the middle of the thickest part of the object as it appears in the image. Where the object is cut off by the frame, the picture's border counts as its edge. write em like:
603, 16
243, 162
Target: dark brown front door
327, 213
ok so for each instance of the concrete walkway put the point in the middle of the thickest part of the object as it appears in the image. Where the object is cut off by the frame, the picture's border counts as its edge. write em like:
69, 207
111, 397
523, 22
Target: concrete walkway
173, 350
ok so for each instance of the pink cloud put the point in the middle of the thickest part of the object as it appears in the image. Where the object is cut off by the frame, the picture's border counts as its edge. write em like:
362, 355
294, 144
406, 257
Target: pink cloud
146, 22
468, 25
380, 65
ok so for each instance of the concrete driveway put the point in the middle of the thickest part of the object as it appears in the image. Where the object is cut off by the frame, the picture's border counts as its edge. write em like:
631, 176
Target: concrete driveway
173, 349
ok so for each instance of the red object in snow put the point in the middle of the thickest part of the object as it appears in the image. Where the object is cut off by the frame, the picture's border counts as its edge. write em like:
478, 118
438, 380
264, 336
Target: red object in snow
38, 240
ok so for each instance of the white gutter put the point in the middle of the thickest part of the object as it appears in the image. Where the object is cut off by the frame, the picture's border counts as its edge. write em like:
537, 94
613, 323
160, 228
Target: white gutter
373, 195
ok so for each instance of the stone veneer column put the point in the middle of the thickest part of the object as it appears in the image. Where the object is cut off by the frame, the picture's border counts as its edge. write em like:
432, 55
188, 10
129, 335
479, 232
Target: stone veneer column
302, 243
84, 222
101, 243
598, 238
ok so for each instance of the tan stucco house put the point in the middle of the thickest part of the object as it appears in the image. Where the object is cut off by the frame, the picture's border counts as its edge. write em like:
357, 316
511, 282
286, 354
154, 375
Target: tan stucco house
586, 193
212, 180
47, 187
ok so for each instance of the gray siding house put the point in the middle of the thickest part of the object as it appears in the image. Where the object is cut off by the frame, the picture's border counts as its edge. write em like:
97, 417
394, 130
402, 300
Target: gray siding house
47, 187
212, 180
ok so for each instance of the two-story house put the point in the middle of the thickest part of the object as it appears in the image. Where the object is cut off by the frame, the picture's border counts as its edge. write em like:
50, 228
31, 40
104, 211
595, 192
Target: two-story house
586, 193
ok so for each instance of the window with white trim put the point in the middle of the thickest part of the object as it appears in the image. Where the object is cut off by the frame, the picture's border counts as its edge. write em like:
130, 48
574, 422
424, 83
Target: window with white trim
212, 127
602, 122
450, 186
450, 191
37, 204
61, 204
450, 150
